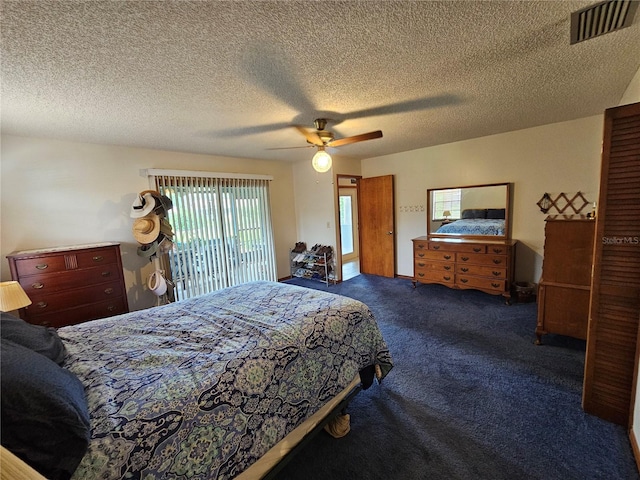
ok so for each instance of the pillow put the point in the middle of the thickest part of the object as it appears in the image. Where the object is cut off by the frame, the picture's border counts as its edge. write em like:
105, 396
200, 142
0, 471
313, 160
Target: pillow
474, 213
497, 213
44, 416
44, 340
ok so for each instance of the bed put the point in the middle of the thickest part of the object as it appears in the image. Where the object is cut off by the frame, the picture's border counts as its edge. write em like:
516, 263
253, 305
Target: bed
211, 386
477, 221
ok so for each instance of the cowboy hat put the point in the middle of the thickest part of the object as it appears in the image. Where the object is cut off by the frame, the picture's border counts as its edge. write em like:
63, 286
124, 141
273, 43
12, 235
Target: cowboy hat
142, 205
162, 203
146, 229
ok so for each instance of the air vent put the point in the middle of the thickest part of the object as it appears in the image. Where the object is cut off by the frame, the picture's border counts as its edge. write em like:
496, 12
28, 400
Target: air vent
604, 17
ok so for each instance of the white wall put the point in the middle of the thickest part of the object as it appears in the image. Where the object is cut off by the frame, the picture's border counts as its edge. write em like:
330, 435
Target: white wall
63, 193
562, 157
315, 197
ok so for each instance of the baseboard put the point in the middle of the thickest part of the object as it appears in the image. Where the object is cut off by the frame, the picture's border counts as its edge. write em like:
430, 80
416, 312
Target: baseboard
634, 446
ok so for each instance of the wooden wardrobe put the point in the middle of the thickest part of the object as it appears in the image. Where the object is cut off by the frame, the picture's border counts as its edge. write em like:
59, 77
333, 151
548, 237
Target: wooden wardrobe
615, 289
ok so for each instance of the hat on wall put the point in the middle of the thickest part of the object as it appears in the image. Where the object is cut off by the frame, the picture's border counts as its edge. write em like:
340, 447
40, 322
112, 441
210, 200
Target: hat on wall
142, 205
148, 251
146, 229
157, 283
165, 228
162, 203
165, 245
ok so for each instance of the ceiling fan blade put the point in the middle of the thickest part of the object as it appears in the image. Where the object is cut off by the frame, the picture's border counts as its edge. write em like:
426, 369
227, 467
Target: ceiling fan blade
289, 148
312, 137
356, 138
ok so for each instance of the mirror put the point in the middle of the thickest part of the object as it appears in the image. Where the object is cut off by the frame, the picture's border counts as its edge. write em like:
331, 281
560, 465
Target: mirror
475, 211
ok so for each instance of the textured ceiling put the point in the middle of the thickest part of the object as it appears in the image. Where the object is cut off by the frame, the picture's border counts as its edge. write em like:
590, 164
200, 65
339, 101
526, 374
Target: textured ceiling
231, 78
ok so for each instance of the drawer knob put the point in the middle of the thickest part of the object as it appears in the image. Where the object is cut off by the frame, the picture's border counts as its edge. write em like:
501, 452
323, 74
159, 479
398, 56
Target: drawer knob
106, 274
98, 258
42, 304
496, 274
464, 259
447, 267
464, 280
37, 285
421, 264
497, 250
464, 269
421, 245
477, 249
447, 257
436, 247
447, 277
495, 285
497, 261
42, 266
421, 254
111, 308
108, 291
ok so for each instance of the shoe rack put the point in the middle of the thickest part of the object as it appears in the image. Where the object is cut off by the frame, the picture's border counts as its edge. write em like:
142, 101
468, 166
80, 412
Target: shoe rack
314, 264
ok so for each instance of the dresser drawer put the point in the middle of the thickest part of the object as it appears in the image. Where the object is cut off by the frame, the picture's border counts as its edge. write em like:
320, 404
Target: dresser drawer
435, 255
434, 276
48, 302
61, 262
478, 259
498, 249
482, 270
457, 247
71, 316
56, 282
434, 266
465, 281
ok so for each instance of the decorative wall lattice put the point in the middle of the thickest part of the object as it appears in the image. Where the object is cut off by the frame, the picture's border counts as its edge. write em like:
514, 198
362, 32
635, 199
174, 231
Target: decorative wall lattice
562, 203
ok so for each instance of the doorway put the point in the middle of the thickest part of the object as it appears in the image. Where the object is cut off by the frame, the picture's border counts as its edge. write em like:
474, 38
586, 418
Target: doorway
348, 220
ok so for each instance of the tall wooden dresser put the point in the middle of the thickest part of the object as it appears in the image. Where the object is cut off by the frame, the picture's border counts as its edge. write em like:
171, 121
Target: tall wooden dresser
69, 285
565, 285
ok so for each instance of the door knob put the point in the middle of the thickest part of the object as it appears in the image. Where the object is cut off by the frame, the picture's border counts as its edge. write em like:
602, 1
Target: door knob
390, 233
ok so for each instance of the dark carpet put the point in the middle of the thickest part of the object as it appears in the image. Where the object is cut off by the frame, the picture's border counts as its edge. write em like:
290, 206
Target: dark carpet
470, 396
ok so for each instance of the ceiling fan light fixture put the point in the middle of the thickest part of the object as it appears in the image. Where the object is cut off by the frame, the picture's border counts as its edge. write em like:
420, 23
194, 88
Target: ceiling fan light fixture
321, 161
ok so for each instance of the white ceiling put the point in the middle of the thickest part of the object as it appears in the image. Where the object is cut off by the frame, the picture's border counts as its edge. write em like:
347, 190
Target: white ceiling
231, 78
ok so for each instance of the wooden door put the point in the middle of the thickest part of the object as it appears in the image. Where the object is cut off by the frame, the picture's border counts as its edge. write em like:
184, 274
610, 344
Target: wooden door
615, 297
377, 226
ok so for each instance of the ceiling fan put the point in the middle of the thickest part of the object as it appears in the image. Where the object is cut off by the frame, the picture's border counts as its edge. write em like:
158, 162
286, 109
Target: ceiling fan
323, 139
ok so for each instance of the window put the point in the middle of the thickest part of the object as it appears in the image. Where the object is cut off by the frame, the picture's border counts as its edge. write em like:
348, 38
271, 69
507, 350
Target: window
222, 230
346, 225
444, 200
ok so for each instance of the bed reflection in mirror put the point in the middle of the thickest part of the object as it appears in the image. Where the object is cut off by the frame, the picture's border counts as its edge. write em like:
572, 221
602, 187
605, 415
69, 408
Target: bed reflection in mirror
469, 211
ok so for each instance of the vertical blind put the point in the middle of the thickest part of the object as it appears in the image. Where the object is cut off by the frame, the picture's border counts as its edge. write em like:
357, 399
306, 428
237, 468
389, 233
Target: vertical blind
222, 231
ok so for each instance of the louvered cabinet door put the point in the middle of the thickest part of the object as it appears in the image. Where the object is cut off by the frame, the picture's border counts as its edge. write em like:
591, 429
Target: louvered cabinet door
615, 298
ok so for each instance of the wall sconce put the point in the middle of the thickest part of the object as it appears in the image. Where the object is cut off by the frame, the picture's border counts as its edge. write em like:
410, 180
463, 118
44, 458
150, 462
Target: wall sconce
12, 297
321, 161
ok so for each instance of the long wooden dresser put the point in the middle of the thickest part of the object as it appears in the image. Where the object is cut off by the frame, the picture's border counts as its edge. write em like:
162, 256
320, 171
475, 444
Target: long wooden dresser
69, 285
486, 265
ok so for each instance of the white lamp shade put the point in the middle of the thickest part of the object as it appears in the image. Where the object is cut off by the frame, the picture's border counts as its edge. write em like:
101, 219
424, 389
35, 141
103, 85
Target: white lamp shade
446, 213
321, 161
12, 297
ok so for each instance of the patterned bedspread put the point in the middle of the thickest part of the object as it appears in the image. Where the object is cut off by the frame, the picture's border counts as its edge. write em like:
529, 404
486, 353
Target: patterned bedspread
204, 387
474, 226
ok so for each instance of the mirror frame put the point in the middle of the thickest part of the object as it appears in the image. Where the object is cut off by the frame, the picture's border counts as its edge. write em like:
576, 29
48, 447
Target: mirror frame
454, 236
